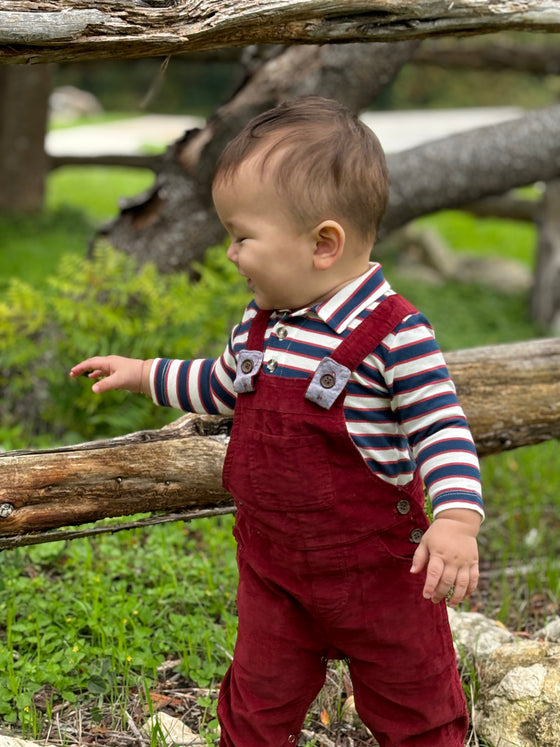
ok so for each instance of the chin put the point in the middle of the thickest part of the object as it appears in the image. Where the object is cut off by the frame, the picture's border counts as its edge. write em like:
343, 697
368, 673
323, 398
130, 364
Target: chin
264, 305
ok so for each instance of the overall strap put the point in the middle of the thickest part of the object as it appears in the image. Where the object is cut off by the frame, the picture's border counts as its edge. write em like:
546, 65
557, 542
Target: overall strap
257, 330
375, 327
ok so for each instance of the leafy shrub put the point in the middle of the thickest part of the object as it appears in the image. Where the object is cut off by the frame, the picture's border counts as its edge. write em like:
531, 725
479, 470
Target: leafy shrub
99, 306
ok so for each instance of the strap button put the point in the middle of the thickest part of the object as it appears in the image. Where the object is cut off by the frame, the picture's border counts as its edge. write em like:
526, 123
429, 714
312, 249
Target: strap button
247, 366
327, 381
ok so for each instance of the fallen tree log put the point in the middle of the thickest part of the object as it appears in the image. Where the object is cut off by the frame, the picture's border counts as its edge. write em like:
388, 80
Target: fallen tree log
70, 30
510, 393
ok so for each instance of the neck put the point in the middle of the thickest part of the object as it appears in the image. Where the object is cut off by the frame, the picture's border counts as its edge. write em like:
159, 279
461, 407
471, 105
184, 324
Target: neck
348, 278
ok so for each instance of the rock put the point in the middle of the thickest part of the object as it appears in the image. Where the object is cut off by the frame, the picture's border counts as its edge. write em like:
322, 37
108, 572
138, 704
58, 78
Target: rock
519, 698
550, 632
68, 103
171, 732
424, 256
476, 636
500, 274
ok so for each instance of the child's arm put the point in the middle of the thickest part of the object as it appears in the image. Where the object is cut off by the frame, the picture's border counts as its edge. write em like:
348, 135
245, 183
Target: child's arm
449, 549
116, 372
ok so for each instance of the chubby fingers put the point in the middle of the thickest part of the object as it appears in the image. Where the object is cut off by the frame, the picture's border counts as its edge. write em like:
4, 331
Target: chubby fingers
93, 367
444, 579
102, 368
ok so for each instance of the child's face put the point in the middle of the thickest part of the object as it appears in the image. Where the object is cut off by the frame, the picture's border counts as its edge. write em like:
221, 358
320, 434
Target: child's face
267, 246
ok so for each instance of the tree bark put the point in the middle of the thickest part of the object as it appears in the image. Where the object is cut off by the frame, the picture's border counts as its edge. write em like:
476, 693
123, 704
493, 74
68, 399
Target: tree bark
510, 394
24, 93
51, 30
462, 168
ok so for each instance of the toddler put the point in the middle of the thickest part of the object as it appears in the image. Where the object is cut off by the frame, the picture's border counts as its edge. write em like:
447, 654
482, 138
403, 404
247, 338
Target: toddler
343, 412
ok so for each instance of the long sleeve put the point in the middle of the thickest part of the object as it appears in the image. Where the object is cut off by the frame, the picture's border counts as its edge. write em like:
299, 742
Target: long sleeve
202, 385
425, 404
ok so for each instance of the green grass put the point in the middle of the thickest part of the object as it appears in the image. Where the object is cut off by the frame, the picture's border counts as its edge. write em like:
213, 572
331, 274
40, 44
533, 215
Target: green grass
91, 620
96, 618
78, 200
97, 192
466, 233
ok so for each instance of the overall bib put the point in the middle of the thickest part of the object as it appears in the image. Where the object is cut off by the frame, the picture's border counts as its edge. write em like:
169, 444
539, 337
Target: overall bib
324, 555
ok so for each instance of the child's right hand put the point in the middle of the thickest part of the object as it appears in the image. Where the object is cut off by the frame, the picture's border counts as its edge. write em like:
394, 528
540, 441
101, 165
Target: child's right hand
115, 372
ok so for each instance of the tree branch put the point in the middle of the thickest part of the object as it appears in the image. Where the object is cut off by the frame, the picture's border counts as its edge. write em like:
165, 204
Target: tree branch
69, 30
131, 161
459, 169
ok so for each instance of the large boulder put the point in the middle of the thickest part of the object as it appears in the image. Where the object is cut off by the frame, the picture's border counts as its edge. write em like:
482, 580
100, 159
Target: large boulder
518, 703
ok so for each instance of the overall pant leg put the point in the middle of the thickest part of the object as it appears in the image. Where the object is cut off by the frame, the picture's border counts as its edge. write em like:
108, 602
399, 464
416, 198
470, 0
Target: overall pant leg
400, 651
277, 669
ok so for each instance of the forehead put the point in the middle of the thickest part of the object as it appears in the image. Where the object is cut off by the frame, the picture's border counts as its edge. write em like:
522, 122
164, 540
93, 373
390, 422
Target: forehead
254, 175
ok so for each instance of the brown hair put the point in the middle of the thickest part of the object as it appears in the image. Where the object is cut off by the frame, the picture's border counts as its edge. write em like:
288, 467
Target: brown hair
332, 165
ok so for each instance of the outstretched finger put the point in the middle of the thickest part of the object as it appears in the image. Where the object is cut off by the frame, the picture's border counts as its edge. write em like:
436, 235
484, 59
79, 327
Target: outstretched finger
91, 364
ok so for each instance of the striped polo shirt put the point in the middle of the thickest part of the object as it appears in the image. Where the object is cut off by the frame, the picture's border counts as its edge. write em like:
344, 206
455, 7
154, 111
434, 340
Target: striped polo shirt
400, 405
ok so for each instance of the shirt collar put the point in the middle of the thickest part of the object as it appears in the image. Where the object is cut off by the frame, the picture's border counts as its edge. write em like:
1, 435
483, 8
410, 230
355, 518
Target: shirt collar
342, 308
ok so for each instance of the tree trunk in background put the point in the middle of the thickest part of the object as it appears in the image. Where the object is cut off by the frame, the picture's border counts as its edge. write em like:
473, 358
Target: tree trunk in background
174, 222
24, 95
545, 297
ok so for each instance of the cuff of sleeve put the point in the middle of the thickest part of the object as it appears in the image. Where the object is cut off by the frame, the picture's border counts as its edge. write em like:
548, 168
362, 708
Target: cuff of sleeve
470, 501
153, 371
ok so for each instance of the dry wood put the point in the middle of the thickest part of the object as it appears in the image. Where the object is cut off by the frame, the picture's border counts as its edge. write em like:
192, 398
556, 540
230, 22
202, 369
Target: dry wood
177, 467
510, 393
68, 30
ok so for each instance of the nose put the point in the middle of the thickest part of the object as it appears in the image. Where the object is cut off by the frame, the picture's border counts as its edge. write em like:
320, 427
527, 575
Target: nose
231, 253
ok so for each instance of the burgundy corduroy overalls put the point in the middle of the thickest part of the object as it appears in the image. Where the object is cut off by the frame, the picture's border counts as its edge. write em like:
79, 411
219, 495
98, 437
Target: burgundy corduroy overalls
324, 554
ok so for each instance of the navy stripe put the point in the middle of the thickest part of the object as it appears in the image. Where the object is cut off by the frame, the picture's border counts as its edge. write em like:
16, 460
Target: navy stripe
161, 382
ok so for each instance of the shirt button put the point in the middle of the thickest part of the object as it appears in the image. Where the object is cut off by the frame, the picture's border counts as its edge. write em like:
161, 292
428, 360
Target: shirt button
282, 333
327, 381
247, 366
272, 366
416, 536
403, 507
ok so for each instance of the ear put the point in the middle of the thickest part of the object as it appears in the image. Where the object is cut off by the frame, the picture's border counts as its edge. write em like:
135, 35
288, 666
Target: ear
329, 239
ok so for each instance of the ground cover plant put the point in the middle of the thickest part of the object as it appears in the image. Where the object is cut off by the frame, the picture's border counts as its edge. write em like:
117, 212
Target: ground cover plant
98, 633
